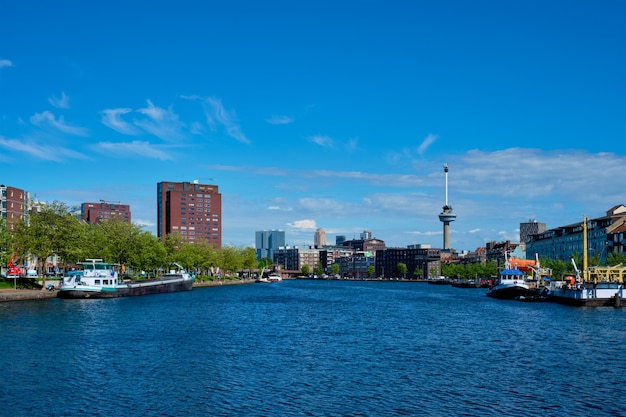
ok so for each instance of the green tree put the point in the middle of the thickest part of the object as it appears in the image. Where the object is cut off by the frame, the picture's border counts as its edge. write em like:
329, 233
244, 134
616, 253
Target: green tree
122, 240
249, 259
305, 269
402, 269
334, 269
318, 270
5, 243
370, 271
51, 230
233, 259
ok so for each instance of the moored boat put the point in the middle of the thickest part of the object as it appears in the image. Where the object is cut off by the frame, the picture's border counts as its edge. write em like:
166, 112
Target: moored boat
101, 280
511, 284
598, 286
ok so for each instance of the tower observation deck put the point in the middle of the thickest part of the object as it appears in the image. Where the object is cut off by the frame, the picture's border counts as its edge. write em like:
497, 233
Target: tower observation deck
446, 216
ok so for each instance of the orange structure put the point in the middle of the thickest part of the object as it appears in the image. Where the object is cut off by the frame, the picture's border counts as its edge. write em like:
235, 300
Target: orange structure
522, 264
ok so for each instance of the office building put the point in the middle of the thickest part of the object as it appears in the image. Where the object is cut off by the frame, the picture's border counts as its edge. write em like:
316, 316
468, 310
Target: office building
104, 210
532, 227
267, 241
319, 240
192, 210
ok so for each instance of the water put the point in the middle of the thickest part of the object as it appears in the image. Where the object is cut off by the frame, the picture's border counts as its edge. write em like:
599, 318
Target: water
311, 348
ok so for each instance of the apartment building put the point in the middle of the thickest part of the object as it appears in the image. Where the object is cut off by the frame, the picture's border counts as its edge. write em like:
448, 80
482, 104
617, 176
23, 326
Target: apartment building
12, 205
104, 210
191, 209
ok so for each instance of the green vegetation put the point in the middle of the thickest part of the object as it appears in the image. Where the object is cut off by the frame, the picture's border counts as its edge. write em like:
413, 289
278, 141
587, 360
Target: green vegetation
52, 230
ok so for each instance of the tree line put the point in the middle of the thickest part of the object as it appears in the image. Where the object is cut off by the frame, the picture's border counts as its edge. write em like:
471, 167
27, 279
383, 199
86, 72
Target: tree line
52, 230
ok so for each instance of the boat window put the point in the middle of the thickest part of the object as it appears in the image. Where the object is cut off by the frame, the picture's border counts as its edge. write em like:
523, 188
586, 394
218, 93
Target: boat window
97, 282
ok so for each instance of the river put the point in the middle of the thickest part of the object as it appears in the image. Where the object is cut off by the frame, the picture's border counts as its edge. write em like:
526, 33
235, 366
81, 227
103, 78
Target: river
311, 348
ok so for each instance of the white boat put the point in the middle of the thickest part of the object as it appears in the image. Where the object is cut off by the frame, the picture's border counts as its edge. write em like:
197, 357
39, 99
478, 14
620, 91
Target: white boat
272, 277
101, 280
598, 286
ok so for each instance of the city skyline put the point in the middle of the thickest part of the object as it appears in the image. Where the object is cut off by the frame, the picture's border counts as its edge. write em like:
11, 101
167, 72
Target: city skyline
322, 114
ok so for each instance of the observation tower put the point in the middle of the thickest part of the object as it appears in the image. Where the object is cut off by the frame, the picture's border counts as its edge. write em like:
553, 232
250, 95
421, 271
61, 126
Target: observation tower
446, 216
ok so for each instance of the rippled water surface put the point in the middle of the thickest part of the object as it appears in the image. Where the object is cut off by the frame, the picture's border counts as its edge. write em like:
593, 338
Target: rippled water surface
311, 348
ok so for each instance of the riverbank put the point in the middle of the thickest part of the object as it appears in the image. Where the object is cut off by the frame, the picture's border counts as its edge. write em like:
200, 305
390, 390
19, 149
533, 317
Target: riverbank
22, 295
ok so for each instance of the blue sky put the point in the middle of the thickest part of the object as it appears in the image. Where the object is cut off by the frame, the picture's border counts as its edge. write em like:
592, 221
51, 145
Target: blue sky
333, 114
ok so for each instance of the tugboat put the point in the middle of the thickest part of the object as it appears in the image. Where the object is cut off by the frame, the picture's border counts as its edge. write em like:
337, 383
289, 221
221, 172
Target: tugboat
100, 280
510, 285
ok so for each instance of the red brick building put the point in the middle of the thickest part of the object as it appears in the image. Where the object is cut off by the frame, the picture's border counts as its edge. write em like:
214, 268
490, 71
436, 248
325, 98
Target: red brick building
97, 212
12, 205
190, 209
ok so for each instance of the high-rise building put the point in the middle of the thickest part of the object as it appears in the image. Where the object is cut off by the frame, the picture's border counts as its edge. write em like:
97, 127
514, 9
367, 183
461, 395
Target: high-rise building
267, 241
104, 210
192, 210
532, 227
319, 238
12, 205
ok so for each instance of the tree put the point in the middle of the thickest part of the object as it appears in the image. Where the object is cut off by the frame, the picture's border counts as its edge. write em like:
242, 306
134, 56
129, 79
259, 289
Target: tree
318, 270
5, 243
305, 270
370, 271
249, 258
51, 230
334, 269
401, 268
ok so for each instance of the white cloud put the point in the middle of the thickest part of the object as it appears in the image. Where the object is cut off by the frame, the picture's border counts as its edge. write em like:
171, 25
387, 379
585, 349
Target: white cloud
144, 223
113, 118
279, 120
216, 115
160, 122
60, 103
428, 140
303, 225
38, 151
5, 63
46, 118
134, 148
322, 140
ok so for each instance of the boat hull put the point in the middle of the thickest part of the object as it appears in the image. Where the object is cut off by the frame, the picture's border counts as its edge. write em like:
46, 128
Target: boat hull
599, 295
128, 290
510, 292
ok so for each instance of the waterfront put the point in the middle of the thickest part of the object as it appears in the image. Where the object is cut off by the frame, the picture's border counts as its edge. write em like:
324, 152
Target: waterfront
311, 348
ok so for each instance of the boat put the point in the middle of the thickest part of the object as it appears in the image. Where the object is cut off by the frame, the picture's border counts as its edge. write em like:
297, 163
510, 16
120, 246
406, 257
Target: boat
274, 277
597, 286
271, 278
511, 284
100, 279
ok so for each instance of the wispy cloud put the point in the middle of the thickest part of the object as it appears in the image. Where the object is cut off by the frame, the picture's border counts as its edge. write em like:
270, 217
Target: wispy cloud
322, 140
60, 103
134, 148
216, 115
46, 119
352, 144
279, 120
39, 151
5, 63
113, 118
428, 140
160, 122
